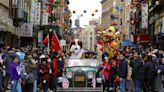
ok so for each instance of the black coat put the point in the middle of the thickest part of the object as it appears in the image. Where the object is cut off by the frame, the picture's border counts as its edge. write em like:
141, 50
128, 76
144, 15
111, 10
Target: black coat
123, 69
137, 70
150, 71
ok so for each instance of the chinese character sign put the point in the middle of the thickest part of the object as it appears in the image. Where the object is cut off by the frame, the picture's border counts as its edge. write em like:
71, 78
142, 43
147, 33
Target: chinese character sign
26, 30
37, 13
145, 15
32, 17
45, 19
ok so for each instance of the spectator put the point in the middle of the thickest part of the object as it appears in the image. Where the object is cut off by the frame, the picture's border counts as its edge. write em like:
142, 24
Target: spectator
1, 71
160, 74
113, 74
60, 65
105, 70
129, 82
30, 66
45, 76
137, 72
7, 58
123, 70
14, 75
150, 74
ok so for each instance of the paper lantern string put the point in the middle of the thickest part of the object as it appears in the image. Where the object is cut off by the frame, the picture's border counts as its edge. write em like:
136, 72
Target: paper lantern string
85, 11
74, 12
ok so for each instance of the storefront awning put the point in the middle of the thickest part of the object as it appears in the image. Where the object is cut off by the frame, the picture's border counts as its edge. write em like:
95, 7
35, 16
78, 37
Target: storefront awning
126, 43
142, 38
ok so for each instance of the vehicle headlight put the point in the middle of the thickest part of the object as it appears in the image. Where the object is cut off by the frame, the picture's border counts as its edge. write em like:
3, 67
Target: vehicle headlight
69, 74
90, 75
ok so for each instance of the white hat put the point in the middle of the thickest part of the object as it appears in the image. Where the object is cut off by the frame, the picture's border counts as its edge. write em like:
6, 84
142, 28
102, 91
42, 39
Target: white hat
42, 56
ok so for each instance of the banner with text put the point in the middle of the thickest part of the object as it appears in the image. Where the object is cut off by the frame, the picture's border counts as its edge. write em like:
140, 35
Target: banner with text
27, 30
144, 7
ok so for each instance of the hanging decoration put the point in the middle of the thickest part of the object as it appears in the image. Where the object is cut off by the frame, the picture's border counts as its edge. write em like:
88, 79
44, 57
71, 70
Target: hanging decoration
96, 10
81, 15
85, 11
93, 14
74, 12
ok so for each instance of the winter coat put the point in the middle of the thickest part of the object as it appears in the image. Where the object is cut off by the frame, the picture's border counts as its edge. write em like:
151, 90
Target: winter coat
7, 59
106, 70
149, 68
55, 67
160, 67
30, 67
45, 72
123, 69
137, 70
129, 71
13, 74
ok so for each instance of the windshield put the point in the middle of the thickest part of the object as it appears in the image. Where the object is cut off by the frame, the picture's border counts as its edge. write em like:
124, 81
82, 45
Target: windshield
82, 62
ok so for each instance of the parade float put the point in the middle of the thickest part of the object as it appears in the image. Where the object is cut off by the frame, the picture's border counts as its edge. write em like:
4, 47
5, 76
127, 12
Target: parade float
110, 40
81, 70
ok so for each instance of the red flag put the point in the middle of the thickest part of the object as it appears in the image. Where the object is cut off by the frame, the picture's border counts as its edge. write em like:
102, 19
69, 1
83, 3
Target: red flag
45, 40
55, 42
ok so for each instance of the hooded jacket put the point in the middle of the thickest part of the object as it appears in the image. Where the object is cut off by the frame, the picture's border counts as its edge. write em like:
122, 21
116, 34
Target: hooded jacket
13, 74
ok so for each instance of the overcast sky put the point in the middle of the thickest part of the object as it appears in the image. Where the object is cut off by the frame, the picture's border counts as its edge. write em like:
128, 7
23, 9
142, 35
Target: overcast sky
89, 5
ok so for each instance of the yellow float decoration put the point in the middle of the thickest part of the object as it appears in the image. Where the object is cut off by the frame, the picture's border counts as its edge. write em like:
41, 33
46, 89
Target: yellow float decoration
112, 41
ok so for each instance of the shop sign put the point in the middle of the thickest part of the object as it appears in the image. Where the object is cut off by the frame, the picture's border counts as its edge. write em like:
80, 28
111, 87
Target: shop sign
141, 38
26, 30
21, 9
144, 15
45, 19
37, 13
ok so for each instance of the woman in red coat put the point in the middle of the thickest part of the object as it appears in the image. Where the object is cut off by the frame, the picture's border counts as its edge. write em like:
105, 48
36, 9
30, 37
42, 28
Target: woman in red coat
105, 70
45, 75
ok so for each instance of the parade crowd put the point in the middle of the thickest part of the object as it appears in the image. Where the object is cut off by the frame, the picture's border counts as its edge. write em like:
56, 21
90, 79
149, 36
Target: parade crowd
29, 69
32, 70
134, 69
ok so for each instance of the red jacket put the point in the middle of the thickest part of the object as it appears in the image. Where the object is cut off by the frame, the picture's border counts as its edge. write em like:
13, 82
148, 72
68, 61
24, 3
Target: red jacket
45, 72
55, 67
106, 70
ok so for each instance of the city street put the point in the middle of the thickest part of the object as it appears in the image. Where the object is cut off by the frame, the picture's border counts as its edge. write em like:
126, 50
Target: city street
81, 45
